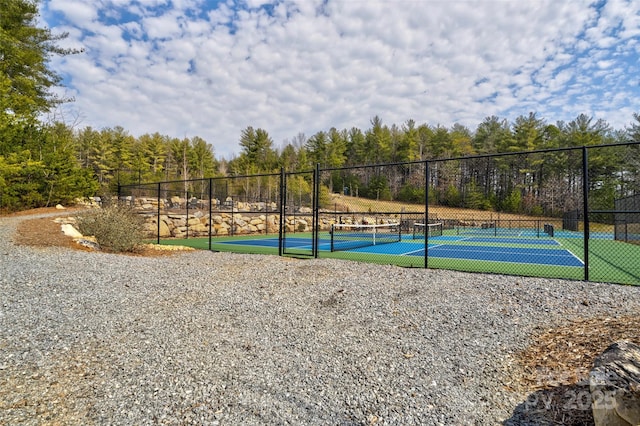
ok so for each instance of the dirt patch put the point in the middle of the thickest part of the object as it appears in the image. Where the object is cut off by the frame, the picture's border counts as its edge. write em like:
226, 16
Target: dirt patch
554, 369
44, 232
565, 355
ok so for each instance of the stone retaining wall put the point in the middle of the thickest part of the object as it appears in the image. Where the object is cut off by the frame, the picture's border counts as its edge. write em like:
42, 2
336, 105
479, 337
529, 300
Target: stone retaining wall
176, 203
230, 217
197, 224
223, 224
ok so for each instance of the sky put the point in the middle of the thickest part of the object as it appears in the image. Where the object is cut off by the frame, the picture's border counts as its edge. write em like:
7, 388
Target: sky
207, 68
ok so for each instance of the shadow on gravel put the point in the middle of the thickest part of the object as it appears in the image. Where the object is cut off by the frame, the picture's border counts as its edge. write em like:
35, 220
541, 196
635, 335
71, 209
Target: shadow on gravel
561, 405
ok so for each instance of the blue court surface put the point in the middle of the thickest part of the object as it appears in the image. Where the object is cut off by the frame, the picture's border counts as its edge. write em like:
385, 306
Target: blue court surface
545, 241
442, 247
537, 256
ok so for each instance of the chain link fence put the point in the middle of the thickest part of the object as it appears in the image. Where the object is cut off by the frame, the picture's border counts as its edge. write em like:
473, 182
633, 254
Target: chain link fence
563, 213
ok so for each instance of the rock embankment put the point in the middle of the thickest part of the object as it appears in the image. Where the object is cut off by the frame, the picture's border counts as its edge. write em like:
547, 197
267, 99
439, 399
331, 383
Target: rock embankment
223, 224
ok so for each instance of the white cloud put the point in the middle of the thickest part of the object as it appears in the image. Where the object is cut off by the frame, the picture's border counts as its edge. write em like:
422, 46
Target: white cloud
606, 64
77, 12
307, 65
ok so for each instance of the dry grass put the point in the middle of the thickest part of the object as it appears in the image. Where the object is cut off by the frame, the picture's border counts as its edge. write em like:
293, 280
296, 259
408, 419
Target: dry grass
346, 203
356, 204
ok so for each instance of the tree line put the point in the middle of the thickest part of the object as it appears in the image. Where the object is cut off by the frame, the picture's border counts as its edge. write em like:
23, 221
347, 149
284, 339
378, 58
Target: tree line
543, 183
45, 164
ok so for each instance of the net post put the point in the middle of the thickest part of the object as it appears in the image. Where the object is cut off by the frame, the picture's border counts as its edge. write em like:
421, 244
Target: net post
626, 232
332, 235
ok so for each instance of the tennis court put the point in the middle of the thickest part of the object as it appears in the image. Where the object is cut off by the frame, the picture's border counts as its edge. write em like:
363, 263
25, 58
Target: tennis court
511, 252
499, 213
543, 251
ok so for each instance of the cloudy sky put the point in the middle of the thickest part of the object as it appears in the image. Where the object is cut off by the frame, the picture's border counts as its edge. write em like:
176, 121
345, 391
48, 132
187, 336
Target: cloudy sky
211, 68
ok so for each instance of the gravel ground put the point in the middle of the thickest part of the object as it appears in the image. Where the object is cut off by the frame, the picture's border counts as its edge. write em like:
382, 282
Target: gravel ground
217, 338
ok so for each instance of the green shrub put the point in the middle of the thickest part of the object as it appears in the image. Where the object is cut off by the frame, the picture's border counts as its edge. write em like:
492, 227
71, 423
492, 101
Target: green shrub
324, 197
116, 228
537, 211
411, 194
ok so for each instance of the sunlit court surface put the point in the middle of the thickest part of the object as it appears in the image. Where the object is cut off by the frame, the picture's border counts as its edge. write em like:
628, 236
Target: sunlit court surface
508, 251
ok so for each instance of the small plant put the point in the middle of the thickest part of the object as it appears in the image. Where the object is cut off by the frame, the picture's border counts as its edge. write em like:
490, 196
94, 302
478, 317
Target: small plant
116, 228
537, 211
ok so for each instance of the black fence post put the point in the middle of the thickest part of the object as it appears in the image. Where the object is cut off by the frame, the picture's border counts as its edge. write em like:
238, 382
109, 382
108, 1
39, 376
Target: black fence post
210, 209
159, 184
281, 218
187, 224
233, 219
316, 211
426, 213
585, 209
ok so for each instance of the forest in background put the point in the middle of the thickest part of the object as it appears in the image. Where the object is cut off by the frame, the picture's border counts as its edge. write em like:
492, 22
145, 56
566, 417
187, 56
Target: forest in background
45, 162
42, 164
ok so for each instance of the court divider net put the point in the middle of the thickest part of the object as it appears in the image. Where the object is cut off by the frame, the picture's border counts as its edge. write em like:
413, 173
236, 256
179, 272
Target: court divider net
350, 236
431, 229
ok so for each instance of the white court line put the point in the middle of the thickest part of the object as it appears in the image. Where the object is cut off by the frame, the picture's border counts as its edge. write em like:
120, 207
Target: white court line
422, 249
570, 252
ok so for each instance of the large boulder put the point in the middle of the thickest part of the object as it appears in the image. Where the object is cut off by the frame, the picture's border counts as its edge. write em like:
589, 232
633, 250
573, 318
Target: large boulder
198, 228
615, 386
151, 228
69, 230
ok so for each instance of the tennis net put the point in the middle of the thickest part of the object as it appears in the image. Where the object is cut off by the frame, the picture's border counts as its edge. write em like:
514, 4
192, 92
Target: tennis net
431, 230
350, 236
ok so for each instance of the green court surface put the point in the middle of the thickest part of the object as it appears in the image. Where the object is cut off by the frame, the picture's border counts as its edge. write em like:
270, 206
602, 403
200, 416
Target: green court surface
609, 261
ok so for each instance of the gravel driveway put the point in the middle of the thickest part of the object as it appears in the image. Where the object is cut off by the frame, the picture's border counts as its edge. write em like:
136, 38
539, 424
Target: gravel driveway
219, 338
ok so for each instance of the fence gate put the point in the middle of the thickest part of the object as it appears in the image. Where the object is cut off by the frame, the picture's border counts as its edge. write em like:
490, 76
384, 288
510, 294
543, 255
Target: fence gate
298, 204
